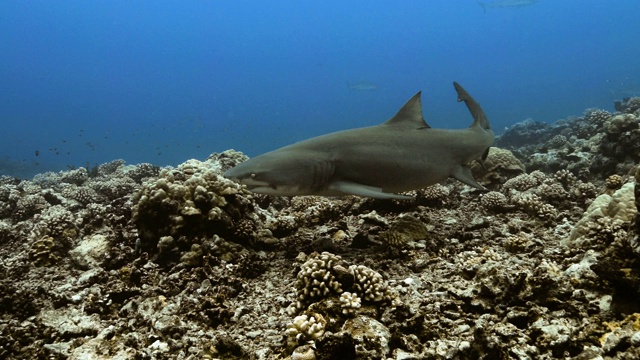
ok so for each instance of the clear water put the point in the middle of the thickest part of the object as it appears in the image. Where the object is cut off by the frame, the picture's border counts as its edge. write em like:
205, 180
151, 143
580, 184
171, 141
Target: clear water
85, 82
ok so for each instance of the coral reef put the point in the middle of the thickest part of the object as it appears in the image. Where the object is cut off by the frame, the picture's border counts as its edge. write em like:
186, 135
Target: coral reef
499, 166
305, 328
593, 146
141, 262
191, 200
326, 275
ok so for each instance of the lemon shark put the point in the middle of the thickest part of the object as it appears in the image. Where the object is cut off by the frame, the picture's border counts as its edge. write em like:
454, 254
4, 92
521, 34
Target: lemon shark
401, 154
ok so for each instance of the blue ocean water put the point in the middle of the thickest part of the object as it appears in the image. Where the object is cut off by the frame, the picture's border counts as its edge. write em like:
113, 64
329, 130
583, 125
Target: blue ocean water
85, 82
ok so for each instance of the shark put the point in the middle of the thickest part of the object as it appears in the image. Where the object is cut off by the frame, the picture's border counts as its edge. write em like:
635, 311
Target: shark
362, 86
402, 154
506, 4
627, 92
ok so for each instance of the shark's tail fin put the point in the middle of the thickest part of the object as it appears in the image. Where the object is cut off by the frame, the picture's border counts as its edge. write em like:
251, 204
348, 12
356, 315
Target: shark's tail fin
479, 118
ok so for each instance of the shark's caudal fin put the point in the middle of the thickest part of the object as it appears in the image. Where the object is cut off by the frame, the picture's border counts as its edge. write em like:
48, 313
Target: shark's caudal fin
410, 114
480, 119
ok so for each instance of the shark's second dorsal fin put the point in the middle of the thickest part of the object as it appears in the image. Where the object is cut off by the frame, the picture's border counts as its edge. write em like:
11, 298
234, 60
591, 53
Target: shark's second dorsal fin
410, 114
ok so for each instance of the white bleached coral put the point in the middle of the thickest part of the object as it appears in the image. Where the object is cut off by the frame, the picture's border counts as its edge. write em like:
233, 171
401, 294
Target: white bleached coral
370, 284
326, 275
304, 329
349, 302
316, 279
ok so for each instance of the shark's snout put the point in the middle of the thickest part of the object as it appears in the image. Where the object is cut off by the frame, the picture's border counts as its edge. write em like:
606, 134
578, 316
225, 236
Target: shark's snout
240, 171
244, 176
231, 174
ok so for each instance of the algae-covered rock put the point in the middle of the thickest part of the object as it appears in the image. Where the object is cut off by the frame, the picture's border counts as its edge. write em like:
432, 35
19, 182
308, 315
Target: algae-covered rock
371, 335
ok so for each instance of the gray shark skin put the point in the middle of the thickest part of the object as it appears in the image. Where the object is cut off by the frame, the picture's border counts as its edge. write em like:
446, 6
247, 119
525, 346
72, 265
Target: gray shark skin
401, 154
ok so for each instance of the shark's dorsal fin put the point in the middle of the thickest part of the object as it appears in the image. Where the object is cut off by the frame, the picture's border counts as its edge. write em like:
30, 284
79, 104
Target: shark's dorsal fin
410, 114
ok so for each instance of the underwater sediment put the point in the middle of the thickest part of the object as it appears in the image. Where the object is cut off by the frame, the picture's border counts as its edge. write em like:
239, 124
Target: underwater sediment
142, 262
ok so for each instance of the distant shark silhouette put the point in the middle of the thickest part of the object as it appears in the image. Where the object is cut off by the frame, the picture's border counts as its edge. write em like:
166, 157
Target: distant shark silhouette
362, 86
404, 153
626, 92
506, 4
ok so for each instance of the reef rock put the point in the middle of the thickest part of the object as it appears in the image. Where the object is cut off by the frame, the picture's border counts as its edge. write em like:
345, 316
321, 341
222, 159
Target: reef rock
141, 262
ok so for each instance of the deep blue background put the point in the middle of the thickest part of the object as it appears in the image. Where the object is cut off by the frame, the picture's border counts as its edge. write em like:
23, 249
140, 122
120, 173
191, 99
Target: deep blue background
165, 81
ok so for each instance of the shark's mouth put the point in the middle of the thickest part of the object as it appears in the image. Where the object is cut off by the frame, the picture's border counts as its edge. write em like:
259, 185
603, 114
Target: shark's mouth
253, 184
263, 187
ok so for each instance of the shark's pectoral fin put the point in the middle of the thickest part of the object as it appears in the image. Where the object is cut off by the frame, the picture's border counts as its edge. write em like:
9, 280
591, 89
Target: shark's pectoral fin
485, 154
352, 188
463, 174
482, 159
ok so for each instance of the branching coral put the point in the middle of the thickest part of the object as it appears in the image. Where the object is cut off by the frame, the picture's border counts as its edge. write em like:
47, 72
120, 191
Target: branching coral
305, 328
326, 275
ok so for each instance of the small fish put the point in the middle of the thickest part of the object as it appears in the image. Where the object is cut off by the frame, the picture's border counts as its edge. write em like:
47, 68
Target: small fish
402, 154
362, 86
